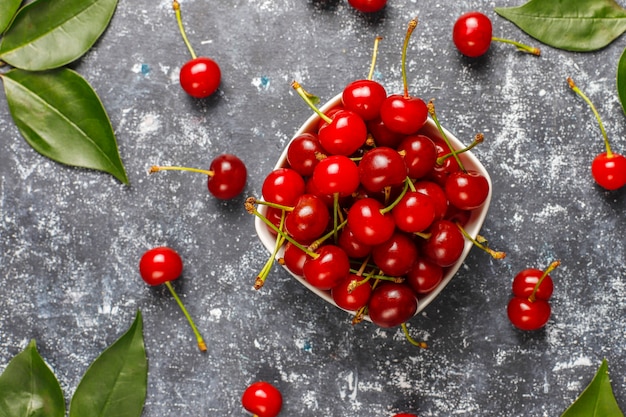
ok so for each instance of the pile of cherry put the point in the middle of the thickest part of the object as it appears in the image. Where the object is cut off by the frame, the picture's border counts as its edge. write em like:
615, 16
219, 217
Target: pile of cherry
368, 207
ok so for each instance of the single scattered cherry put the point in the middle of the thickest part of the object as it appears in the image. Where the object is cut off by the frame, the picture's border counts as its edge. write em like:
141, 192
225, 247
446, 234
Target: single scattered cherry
161, 265
201, 76
608, 168
227, 175
368, 6
405, 415
262, 399
472, 35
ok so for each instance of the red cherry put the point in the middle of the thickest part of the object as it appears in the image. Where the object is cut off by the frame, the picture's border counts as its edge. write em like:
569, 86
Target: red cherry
528, 315
436, 194
349, 295
364, 97
328, 268
467, 190
472, 33
229, 177
609, 171
159, 265
414, 213
403, 114
294, 258
420, 155
381, 167
262, 399
368, 6
308, 219
344, 135
446, 243
396, 256
425, 276
336, 174
391, 304
368, 223
200, 77
382, 135
405, 415
283, 186
351, 245
525, 282
302, 153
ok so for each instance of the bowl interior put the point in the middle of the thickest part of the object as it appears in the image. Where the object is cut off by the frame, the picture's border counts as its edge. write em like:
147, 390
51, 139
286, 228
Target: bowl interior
472, 227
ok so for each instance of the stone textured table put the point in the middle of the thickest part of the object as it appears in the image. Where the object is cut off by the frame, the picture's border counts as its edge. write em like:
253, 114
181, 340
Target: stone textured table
70, 239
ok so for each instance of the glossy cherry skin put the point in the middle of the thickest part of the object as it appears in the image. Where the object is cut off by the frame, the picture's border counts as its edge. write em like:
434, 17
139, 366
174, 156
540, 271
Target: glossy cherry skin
302, 153
262, 399
402, 114
437, 195
200, 77
354, 299
446, 243
344, 135
467, 190
336, 174
368, 224
368, 6
420, 155
351, 245
294, 258
525, 282
308, 219
472, 34
364, 97
327, 269
404, 415
391, 304
609, 172
381, 167
528, 315
229, 177
415, 212
159, 265
382, 135
283, 186
396, 256
425, 276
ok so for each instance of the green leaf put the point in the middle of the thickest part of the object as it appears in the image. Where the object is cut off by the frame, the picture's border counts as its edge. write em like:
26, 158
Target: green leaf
621, 80
8, 8
48, 34
28, 388
115, 385
61, 117
597, 399
573, 25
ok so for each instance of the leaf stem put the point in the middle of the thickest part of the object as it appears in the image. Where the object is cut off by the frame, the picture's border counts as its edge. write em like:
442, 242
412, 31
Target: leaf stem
577, 90
176, 7
201, 343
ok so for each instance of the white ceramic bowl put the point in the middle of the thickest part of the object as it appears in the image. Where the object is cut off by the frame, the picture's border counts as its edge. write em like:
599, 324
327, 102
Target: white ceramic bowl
472, 226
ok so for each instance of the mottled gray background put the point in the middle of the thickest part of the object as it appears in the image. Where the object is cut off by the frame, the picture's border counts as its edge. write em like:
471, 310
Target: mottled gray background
71, 239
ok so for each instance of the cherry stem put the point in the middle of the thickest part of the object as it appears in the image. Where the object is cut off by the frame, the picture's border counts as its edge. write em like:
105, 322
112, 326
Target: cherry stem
479, 138
201, 344
478, 243
549, 269
409, 32
176, 7
520, 46
577, 90
405, 329
395, 202
374, 55
310, 100
318, 242
433, 114
156, 168
265, 271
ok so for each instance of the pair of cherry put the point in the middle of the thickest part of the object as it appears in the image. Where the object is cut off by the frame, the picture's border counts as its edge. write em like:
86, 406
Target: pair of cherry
529, 308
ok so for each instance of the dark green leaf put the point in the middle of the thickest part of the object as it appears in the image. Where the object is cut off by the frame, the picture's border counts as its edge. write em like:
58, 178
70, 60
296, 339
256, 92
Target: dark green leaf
28, 388
8, 8
48, 34
115, 385
61, 117
621, 80
597, 399
573, 25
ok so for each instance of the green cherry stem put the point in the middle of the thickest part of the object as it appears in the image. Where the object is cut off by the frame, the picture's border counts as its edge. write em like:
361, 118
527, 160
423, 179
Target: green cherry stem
479, 243
407, 37
310, 100
405, 329
578, 91
549, 269
374, 55
433, 114
176, 7
520, 46
479, 138
201, 343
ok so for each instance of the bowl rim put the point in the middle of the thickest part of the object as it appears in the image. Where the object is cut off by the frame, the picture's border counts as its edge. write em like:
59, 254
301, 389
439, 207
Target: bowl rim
472, 227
